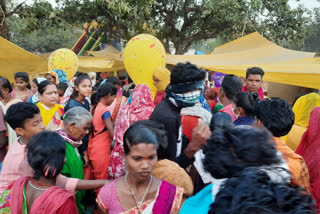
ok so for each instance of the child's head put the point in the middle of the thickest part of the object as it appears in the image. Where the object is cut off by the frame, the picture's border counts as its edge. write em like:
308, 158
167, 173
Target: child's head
22, 80
51, 77
115, 81
82, 87
35, 83
106, 94
62, 87
25, 119
46, 154
5, 87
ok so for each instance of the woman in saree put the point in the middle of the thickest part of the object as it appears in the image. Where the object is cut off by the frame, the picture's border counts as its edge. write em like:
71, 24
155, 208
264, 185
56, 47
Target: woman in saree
302, 110
50, 111
102, 133
138, 191
38, 194
77, 124
161, 79
140, 108
309, 149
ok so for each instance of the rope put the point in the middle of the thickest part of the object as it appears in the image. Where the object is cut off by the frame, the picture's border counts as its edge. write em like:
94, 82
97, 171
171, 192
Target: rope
245, 23
4, 16
246, 19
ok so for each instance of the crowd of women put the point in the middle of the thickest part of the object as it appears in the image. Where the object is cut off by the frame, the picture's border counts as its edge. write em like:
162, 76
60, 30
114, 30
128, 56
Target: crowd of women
94, 145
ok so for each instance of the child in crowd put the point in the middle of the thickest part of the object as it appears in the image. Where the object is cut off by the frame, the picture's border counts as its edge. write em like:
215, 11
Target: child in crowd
22, 90
37, 193
34, 88
82, 89
62, 87
26, 120
52, 77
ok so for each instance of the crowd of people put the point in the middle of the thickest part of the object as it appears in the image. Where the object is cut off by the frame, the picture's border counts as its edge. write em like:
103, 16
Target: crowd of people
94, 145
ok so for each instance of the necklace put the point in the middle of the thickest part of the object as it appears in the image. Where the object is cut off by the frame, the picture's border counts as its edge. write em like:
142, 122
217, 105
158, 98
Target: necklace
37, 188
138, 203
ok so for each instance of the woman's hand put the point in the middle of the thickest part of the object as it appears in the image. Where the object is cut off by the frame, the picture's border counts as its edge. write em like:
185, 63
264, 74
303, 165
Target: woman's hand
86, 159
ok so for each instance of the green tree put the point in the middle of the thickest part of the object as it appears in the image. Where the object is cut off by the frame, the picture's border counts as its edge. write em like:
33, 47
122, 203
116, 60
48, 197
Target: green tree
42, 39
184, 22
312, 41
37, 27
6, 12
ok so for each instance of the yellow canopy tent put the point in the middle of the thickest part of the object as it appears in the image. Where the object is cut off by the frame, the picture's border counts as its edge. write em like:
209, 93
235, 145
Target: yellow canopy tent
105, 52
99, 64
280, 64
14, 59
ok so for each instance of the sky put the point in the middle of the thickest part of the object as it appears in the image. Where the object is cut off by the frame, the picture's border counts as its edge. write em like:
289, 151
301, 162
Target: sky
310, 4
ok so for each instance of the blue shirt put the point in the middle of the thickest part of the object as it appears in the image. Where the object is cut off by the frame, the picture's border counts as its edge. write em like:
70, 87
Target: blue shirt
75, 103
244, 121
200, 203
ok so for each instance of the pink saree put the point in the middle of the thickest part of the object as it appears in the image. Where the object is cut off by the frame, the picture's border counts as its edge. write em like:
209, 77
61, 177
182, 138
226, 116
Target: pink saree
140, 108
167, 200
55, 200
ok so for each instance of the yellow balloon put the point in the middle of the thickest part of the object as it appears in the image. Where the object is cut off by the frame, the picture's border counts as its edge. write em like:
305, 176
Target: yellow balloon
64, 59
141, 56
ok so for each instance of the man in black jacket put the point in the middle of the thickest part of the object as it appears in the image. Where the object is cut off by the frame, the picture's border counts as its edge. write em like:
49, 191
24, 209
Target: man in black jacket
184, 90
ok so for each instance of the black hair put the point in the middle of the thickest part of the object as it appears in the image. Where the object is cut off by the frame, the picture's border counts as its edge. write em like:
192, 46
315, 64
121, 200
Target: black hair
18, 113
23, 75
77, 74
276, 115
42, 87
137, 134
94, 88
98, 76
62, 86
231, 150
253, 191
77, 82
6, 84
46, 154
161, 133
231, 86
186, 72
254, 71
114, 81
220, 120
122, 78
123, 83
35, 81
247, 101
104, 89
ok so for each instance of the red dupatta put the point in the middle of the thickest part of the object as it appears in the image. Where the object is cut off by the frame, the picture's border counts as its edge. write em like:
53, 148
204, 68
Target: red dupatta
55, 200
309, 149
